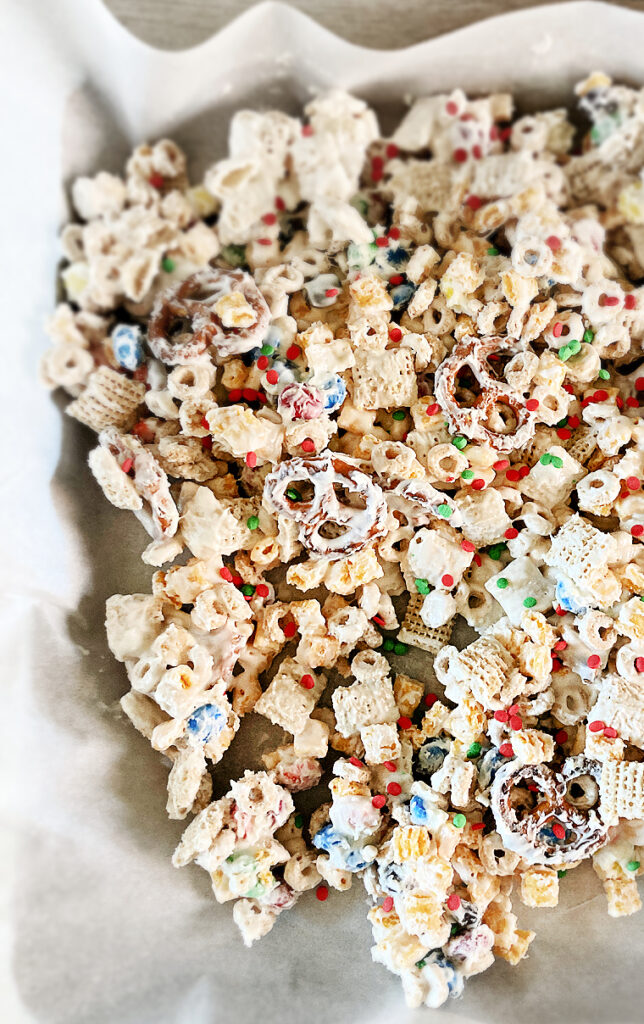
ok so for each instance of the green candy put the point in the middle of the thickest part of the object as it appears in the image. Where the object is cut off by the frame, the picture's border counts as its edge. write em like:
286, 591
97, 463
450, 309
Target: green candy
529, 602
234, 255
293, 494
400, 648
493, 251
252, 522
467, 474
546, 459
420, 964
422, 586
574, 346
168, 265
474, 750
562, 873
247, 590
399, 414
496, 551
388, 644
633, 865
298, 821
266, 349
459, 442
556, 461
588, 335
445, 511
502, 583
565, 353
459, 820
604, 375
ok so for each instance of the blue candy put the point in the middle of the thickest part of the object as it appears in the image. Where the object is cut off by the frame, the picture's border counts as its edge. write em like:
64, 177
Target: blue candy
334, 391
390, 878
417, 810
489, 765
342, 853
205, 722
568, 597
127, 345
432, 754
401, 295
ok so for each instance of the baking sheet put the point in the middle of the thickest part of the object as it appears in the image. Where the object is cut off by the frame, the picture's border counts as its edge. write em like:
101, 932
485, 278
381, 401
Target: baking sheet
100, 927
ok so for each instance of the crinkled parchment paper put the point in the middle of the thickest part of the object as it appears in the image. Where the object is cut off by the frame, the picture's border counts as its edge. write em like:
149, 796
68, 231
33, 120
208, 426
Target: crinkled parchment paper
99, 926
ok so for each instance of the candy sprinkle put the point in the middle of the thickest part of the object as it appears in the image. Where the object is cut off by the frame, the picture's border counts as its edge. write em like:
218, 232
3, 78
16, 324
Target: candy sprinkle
307, 681
453, 900
459, 820
529, 602
387, 904
596, 726
379, 800
474, 750
633, 865
394, 788
502, 583
422, 586
594, 661
506, 750
399, 414
322, 893
404, 722
400, 648
444, 510
558, 831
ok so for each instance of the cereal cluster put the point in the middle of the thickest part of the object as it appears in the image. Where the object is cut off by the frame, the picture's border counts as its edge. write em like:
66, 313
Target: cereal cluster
359, 390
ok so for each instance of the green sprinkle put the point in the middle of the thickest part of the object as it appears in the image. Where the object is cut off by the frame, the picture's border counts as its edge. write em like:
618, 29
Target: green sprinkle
546, 459
445, 511
422, 586
459, 442
604, 375
293, 494
399, 414
247, 590
298, 821
454, 929
234, 255
459, 820
266, 349
467, 474
502, 583
388, 644
562, 423
529, 602
492, 251
400, 648
168, 264
562, 873
252, 522
496, 551
420, 964
564, 353
474, 750
588, 335
574, 346
633, 865
556, 461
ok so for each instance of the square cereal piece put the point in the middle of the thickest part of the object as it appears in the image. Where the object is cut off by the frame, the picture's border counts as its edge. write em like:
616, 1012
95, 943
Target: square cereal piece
362, 704
109, 400
381, 743
578, 547
383, 380
286, 702
621, 791
521, 581
414, 631
553, 477
410, 842
484, 517
540, 887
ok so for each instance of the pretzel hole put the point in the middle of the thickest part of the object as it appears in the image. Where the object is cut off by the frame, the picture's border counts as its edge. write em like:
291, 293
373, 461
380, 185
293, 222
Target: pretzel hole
349, 498
501, 419
582, 792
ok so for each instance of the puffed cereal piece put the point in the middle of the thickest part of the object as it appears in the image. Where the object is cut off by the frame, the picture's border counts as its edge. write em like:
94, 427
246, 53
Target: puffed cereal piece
532, 746
109, 400
384, 379
413, 630
408, 694
381, 743
286, 701
362, 704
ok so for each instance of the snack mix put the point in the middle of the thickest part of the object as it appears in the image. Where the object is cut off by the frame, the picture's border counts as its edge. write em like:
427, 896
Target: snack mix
359, 391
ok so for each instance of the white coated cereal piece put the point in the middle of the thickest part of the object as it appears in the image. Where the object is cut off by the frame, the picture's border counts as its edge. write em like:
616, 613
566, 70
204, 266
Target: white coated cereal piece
396, 460
621, 791
333, 223
484, 517
432, 555
485, 668
597, 492
286, 702
532, 746
438, 609
313, 740
110, 400
237, 430
337, 878
253, 920
132, 622
345, 575
100, 196
262, 806
143, 712
185, 778
384, 379
578, 548
413, 630
381, 743
364, 703
524, 582
209, 527
348, 624
621, 705
552, 479
116, 485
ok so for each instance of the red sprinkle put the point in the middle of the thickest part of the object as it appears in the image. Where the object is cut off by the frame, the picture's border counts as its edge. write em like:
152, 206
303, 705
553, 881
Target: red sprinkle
394, 789
597, 725
262, 362
594, 661
515, 723
290, 629
523, 471
379, 800
404, 722
204, 423
561, 645
356, 762
322, 893
629, 302
249, 394
500, 465
477, 560
308, 682
558, 830
251, 460
377, 168
264, 241
451, 107
394, 233
564, 433
332, 292
156, 180
600, 396
609, 300
392, 151
430, 699
514, 709
477, 152
506, 750
378, 620
560, 611
387, 904
447, 580
269, 218
639, 384
556, 664
396, 279
474, 202
226, 574
610, 733
308, 445
477, 826
453, 901
639, 664
467, 546
632, 483
561, 737
512, 475
553, 242
557, 329
532, 404
501, 716
511, 533
632, 403
307, 129
206, 442
395, 333
573, 421
637, 530
390, 766
293, 351
279, 203
459, 155
432, 409
126, 465
234, 395
272, 376
262, 590
478, 484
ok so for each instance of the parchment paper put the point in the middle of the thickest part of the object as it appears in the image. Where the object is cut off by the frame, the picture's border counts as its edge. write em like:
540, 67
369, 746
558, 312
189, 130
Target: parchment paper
101, 927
